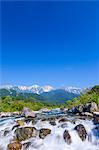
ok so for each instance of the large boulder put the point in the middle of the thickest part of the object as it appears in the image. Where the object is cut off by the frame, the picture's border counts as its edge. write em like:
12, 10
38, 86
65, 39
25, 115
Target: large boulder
28, 113
44, 132
15, 146
81, 131
93, 107
25, 133
77, 109
90, 107
67, 137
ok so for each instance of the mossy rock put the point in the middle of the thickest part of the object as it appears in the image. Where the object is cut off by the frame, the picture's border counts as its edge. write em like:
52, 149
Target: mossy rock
25, 133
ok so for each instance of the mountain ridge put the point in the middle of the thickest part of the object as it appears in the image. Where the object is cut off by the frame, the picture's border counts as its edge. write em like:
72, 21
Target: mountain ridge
40, 89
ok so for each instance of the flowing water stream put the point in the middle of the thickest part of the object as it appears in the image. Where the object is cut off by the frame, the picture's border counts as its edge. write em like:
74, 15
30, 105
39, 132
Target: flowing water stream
53, 141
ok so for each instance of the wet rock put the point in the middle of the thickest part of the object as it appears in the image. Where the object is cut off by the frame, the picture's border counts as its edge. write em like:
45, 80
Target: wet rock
87, 114
44, 132
71, 110
43, 119
63, 120
16, 126
20, 122
15, 146
81, 117
81, 131
93, 107
53, 123
87, 107
26, 145
78, 109
30, 119
67, 137
6, 132
51, 118
90, 107
28, 113
96, 118
25, 133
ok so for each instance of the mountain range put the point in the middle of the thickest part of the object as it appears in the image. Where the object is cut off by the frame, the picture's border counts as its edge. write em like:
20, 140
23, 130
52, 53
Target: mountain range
40, 89
42, 93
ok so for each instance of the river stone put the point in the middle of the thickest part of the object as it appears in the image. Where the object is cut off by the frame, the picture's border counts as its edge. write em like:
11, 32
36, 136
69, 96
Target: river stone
67, 137
44, 132
25, 133
15, 146
81, 131
26, 145
52, 122
6, 132
30, 119
63, 120
20, 122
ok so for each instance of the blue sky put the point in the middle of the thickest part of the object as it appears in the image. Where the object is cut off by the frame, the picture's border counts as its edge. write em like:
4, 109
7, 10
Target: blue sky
52, 43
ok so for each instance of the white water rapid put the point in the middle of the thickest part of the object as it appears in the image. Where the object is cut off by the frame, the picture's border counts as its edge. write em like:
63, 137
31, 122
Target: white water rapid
55, 140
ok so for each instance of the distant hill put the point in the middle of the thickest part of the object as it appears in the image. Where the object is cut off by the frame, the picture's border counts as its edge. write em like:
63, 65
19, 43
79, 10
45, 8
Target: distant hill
55, 96
59, 96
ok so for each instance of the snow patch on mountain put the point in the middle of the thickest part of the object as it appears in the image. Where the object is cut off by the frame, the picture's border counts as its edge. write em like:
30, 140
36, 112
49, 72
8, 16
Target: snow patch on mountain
74, 90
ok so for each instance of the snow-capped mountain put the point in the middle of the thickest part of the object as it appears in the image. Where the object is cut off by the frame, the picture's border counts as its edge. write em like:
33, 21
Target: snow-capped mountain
40, 89
29, 89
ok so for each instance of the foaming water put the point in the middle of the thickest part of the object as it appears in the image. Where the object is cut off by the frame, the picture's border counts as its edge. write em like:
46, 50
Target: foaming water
53, 141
